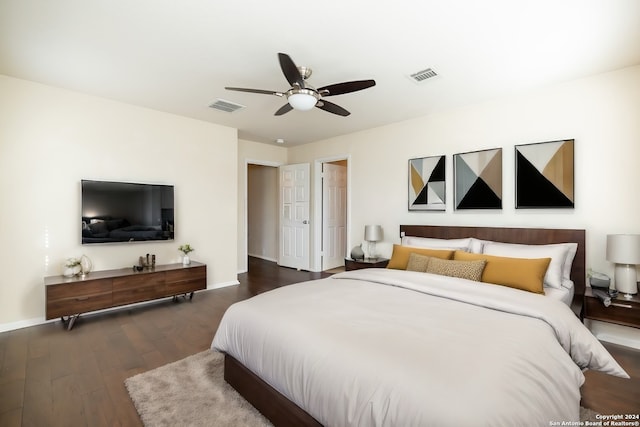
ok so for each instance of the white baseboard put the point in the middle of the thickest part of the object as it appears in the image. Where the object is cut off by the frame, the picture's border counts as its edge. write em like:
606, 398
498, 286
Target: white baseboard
223, 285
616, 334
12, 326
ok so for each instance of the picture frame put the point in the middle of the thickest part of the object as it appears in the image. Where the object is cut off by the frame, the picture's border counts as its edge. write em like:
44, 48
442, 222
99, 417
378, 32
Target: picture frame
545, 175
478, 179
427, 184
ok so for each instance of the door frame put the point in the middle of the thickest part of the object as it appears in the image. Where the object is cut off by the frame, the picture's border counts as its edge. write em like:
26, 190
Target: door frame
316, 255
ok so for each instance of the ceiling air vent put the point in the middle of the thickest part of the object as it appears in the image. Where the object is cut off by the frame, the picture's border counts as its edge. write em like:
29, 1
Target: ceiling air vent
226, 106
423, 75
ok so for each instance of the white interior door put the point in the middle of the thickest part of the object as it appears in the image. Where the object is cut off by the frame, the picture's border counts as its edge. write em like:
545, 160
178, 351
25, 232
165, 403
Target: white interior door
294, 216
334, 215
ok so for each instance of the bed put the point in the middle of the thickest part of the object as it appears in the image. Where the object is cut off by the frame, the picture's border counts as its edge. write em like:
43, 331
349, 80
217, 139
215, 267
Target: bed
394, 347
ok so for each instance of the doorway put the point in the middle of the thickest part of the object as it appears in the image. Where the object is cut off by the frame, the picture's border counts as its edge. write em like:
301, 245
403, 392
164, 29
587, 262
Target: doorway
262, 211
261, 221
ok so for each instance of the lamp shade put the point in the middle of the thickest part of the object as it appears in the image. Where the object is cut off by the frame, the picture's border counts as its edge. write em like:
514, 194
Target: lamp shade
302, 101
372, 233
623, 248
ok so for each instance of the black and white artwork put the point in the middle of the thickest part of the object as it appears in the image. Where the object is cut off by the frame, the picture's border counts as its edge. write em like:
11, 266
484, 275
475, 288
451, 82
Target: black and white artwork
427, 184
478, 179
545, 175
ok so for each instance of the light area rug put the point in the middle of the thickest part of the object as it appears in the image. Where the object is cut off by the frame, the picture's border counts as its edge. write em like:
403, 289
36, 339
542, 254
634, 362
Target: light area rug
193, 392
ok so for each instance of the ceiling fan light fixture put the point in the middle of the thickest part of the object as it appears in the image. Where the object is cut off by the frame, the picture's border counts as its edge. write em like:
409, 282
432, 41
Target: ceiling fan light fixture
302, 99
302, 96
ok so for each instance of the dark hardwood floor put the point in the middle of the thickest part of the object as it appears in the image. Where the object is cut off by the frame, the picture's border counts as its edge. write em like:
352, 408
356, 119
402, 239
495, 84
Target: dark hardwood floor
53, 377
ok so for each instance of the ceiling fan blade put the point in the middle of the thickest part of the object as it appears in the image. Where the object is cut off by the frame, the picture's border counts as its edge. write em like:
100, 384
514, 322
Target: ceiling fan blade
346, 87
332, 108
290, 70
266, 92
284, 109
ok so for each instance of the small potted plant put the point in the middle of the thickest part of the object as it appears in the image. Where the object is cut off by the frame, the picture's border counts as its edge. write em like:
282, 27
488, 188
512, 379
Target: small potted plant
72, 267
185, 249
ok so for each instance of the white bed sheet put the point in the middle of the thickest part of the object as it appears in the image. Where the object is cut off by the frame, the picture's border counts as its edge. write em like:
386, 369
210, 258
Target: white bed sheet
381, 347
564, 293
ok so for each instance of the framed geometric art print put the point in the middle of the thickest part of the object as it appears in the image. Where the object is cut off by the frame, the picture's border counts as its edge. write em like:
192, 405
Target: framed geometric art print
427, 184
544, 175
478, 179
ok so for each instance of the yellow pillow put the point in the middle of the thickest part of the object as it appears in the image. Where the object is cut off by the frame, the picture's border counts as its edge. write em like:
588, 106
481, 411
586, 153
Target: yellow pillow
400, 257
526, 274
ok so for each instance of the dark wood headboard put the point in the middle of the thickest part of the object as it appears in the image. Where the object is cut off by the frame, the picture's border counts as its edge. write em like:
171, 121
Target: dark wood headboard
528, 236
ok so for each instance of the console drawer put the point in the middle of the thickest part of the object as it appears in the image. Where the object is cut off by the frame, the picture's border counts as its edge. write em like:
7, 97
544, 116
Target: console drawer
186, 274
78, 289
77, 303
186, 280
127, 290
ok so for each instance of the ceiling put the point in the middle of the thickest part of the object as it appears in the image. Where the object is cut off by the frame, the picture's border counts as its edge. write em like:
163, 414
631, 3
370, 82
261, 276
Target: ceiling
177, 56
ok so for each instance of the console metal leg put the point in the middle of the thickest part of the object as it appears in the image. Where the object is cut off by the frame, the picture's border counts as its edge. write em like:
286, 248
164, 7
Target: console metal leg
69, 320
72, 320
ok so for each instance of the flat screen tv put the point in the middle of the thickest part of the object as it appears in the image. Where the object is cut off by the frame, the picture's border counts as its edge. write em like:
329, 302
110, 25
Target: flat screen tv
115, 212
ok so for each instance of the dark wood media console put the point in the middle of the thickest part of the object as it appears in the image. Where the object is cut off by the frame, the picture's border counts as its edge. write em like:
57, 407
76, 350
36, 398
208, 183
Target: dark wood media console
71, 296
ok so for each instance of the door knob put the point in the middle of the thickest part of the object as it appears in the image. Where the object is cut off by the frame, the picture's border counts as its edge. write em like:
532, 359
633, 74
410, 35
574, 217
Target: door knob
305, 222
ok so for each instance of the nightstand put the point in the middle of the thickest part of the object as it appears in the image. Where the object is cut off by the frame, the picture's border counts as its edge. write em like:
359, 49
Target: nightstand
622, 311
352, 264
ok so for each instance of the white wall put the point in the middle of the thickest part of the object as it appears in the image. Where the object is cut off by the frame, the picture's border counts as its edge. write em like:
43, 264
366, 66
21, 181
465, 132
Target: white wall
51, 138
601, 113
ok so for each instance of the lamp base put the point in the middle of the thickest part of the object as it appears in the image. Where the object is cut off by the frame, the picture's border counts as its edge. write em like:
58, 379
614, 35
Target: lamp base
370, 253
626, 279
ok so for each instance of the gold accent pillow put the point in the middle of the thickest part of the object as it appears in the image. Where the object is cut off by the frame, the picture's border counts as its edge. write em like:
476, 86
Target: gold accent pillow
418, 262
400, 256
471, 270
526, 274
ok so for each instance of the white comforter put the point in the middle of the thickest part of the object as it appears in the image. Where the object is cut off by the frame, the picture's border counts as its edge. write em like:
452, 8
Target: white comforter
384, 347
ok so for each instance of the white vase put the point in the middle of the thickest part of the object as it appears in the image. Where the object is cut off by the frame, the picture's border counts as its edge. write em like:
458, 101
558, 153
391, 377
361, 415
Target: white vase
186, 260
85, 264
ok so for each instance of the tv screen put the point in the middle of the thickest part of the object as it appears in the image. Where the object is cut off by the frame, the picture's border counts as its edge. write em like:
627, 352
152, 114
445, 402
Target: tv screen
126, 212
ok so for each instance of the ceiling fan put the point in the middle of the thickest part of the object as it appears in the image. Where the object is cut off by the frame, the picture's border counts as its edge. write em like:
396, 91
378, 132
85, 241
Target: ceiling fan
302, 96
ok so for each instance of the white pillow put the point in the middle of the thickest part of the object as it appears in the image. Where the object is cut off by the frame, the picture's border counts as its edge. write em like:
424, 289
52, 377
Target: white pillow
572, 249
431, 243
476, 245
557, 253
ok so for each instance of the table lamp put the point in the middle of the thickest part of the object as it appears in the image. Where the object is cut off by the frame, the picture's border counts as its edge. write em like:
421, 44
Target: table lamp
372, 234
624, 251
